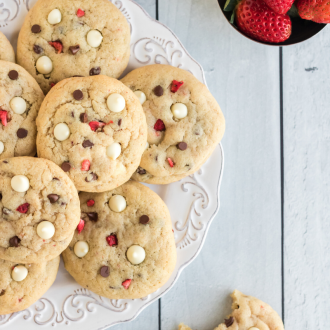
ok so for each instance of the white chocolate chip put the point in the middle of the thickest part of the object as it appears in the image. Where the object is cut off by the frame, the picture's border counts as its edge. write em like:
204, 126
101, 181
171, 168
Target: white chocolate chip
20, 183
18, 105
54, 16
147, 145
94, 38
19, 273
45, 230
81, 248
179, 110
44, 65
117, 203
136, 254
116, 102
61, 131
141, 96
114, 150
2, 147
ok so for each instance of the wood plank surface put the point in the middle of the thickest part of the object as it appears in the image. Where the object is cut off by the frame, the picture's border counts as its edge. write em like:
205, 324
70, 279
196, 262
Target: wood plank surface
243, 247
307, 183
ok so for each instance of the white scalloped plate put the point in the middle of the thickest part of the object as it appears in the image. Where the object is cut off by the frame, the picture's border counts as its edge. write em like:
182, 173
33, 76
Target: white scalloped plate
193, 201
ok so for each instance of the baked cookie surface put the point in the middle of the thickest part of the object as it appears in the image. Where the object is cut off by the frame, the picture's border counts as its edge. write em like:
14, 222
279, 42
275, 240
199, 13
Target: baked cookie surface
39, 210
95, 129
21, 285
20, 98
6, 49
184, 121
126, 245
64, 38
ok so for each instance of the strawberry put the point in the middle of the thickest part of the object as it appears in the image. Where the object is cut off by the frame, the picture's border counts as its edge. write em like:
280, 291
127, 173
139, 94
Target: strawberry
112, 240
94, 125
279, 6
314, 10
256, 20
90, 202
57, 45
80, 13
81, 226
126, 284
85, 165
3, 117
159, 126
23, 208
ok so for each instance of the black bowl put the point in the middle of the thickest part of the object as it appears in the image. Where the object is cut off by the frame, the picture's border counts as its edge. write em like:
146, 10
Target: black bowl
301, 29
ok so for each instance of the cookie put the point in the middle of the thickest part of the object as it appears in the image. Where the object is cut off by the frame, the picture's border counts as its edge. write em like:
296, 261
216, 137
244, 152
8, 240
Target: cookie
95, 129
21, 98
185, 123
39, 210
21, 285
249, 313
6, 49
124, 246
65, 38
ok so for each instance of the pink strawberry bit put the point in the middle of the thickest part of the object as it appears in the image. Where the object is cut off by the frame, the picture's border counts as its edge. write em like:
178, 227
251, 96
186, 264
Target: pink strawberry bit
23, 208
85, 165
3, 117
112, 240
159, 125
80, 13
176, 85
81, 226
126, 284
94, 125
57, 45
90, 202
170, 161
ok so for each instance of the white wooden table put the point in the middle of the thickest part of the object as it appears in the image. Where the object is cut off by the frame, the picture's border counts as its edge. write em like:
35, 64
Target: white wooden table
271, 237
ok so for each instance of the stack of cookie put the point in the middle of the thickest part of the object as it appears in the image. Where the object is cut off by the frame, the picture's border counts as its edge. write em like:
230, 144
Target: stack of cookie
92, 133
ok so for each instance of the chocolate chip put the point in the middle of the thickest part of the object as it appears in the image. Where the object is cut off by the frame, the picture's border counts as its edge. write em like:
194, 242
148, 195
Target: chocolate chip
13, 74
87, 144
93, 216
72, 114
144, 219
119, 122
158, 90
2, 292
182, 145
104, 271
66, 167
78, 95
6, 211
74, 49
229, 322
141, 171
22, 133
5, 162
36, 28
95, 71
53, 198
14, 241
37, 49
91, 177
83, 117
57, 179
0, 196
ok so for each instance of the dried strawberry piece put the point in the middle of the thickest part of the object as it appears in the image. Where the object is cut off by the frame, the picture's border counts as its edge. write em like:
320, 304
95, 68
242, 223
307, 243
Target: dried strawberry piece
159, 125
52, 85
112, 240
176, 85
90, 202
94, 125
80, 13
85, 165
81, 226
126, 284
3, 117
170, 161
23, 208
57, 45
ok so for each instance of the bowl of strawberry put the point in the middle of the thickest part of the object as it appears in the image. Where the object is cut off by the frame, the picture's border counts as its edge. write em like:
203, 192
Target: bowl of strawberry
277, 22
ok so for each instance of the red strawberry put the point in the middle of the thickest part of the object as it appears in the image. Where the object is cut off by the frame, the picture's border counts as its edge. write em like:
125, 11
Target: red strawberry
255, 19
57, 45
112, 240
176, 85
85, 165
3, 117
23, 208
126, 284
314, 10
80, 13
170, 161
279, 6
81, 226
159, 125
90, 202
94, 125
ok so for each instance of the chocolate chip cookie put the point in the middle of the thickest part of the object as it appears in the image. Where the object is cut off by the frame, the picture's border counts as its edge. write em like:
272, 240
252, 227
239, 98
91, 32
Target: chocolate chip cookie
185, 123
124, 246
39, 210
21, 285
66, 38
95, 129
21, 98
6, 49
